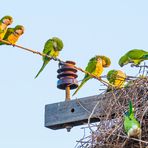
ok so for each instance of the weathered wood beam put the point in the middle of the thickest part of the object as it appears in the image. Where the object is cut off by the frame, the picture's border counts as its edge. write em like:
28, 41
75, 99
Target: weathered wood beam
75, 112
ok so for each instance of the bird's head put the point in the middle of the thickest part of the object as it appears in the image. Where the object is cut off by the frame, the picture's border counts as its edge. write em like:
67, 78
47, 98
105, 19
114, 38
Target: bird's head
123, 61
19, 29
7, 20
57, 44
105, 61
126, 114
111, 75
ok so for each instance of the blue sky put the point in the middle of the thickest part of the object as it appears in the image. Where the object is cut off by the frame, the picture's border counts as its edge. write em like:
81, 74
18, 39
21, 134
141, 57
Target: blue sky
87, 28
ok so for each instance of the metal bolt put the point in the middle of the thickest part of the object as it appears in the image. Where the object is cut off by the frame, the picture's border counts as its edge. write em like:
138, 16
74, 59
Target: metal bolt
68, 128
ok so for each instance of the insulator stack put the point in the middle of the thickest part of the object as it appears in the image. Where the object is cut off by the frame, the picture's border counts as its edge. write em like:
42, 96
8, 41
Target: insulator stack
67, 77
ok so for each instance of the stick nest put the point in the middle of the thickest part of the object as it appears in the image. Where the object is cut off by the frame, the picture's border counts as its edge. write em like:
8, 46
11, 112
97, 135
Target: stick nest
109, 131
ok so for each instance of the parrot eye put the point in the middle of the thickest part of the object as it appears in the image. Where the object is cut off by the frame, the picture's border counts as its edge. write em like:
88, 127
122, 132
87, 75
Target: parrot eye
19, 31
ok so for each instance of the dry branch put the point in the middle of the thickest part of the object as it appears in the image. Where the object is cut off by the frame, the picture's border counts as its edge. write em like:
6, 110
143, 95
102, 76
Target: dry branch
109, 132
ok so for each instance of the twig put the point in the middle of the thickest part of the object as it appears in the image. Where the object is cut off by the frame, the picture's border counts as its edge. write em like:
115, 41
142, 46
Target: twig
31, 50
145, 110
146, 142
56, 59
91, 116
141, 66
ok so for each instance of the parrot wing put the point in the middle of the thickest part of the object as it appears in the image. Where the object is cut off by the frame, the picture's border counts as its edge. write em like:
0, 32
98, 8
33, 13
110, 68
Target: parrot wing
131, 124
48, 48
90, 68
127, 125
9, 31
111, 76
136, 54
91, 65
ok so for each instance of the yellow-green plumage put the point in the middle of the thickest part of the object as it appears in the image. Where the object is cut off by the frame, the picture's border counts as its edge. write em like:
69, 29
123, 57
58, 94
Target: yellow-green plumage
135, 56
13, 34
116, 77
4, 23
95, 66
131, 124
52, 48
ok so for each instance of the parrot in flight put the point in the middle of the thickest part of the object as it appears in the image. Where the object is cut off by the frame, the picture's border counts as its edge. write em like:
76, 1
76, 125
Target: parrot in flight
52, 48
13, 34
135, 56
95, 66
131, 124
116, 77
4, 23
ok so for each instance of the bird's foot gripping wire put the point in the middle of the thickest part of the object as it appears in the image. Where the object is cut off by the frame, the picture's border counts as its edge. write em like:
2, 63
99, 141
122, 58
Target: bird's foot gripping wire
140, 66
61, 63
13, 45
133, 65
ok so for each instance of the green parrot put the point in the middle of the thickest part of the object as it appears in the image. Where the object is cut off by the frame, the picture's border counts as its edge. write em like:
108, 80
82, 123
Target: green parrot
135, 56
116, 77
95, 66
131, 124
13, 34
4, 23
52, 48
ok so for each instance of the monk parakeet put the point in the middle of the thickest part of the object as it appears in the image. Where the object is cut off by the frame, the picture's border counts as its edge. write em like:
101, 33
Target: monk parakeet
95, 66
4, 23
131, 124
116, 77
52, 48
135, 56
13, 34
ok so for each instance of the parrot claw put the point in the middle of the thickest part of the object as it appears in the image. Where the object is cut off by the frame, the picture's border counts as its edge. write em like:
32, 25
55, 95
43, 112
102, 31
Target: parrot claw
133, 65
60, 64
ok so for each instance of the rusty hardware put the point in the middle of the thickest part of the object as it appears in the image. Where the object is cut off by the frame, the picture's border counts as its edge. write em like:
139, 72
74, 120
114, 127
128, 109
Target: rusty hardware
67, 78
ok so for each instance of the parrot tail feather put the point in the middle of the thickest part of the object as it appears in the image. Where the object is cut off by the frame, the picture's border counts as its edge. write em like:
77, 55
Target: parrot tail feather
1, 43
82, 83
130, 107
43, 66
145, 56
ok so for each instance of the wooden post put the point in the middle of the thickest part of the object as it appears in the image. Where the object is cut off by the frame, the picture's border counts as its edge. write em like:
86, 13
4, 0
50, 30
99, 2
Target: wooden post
67, 93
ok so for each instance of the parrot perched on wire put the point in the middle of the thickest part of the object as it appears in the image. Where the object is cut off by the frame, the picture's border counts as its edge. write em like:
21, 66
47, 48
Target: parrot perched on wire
4, 23
95, 66
52, 48
131, 124
135, 56
13, 34
116, 77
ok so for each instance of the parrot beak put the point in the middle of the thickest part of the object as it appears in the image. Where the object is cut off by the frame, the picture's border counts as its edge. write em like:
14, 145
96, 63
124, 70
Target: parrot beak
55, 45
103, 62
121, 65
20, 31
7, 21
